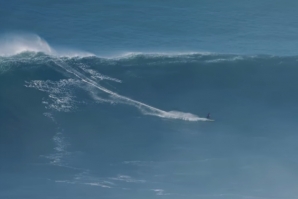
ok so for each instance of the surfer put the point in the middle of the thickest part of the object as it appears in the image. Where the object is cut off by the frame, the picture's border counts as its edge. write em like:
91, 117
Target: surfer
208, 116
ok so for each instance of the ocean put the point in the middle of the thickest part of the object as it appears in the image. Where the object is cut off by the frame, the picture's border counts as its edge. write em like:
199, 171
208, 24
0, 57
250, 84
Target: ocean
109, 99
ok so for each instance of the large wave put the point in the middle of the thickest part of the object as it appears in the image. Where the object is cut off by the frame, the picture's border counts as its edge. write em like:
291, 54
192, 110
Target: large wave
232, 85
86, 79
31, 48
81, 75
14, 44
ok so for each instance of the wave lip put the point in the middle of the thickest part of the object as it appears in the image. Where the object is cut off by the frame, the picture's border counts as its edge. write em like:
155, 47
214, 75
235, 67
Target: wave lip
14, 44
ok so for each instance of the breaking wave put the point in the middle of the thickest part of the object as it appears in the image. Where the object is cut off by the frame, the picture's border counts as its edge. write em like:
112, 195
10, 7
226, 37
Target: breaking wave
166, 85
81, 70
14, 44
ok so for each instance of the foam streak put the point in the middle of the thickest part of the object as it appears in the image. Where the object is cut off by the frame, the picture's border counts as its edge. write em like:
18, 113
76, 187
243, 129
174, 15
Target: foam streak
146, 109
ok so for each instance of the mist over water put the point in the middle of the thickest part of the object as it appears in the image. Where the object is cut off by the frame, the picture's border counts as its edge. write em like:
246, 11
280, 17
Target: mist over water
109, 100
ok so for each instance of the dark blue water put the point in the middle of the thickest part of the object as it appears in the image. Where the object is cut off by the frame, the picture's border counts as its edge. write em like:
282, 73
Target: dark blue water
109, 100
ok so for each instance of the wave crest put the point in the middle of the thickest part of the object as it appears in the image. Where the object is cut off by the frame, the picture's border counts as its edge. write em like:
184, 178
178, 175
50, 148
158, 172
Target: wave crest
14, 44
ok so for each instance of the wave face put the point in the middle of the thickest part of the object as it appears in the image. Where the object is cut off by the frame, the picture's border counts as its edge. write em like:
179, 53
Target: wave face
134, 126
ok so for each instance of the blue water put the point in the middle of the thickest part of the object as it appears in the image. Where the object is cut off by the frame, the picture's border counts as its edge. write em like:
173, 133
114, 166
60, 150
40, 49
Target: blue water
109, 99
251, 27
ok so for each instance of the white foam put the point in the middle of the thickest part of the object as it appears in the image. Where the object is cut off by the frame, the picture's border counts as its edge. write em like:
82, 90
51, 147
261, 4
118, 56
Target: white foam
60, 96
96, 75
146, 109
128, 55
160, 192
13, 44
97, 184
50, 115
126, 178
60, 150
236, 58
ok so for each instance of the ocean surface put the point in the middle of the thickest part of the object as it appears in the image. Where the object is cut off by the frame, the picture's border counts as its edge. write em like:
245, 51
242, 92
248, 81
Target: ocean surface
108, 99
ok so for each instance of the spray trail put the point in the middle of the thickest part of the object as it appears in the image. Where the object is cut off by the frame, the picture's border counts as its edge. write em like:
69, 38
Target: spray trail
144, 108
